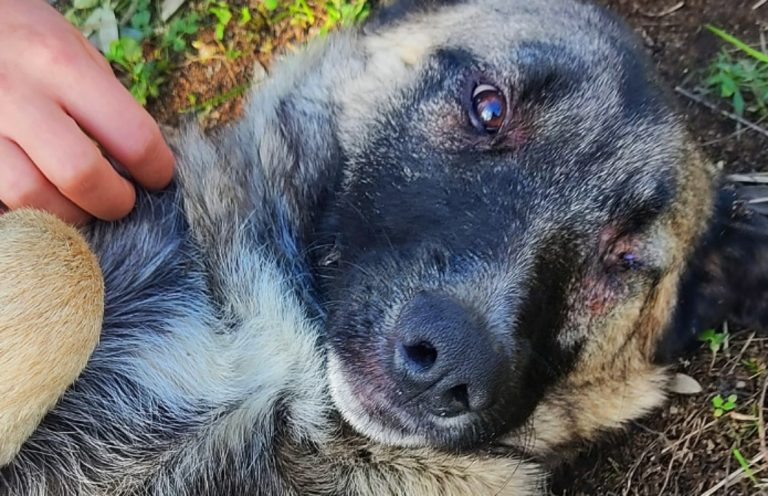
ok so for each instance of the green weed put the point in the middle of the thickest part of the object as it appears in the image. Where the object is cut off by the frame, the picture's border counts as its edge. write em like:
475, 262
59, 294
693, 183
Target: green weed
146, 76
715, 340
334, 13
740, 76
223, 15
344, 13
744, 464
754, 366
141, 45
179, 31
144, 48
208, 105
723, 405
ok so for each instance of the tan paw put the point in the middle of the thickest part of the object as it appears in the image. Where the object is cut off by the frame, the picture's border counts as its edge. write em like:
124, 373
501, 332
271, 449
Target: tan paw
51, 310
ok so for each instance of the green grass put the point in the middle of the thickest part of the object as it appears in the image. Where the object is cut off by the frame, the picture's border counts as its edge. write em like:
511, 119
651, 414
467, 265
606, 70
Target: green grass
144, 48
715, 340
740, 75
207, 106
744, 464
132, 36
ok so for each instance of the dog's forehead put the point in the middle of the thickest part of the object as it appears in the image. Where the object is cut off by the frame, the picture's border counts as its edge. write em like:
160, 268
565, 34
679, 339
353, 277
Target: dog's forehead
490, 29
505, 36
609, 137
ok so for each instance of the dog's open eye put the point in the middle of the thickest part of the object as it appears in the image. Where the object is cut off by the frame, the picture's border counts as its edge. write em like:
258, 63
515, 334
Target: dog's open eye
489, 108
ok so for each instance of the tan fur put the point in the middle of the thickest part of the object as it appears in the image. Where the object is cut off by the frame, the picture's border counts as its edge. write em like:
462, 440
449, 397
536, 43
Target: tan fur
388, 471
432, 474
52, 298
616, 380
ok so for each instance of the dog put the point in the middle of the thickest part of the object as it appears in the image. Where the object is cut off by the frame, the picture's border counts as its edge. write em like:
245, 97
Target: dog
436, 254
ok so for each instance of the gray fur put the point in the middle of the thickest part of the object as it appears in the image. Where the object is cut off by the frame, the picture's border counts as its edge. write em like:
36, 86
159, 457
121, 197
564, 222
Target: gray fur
211, 374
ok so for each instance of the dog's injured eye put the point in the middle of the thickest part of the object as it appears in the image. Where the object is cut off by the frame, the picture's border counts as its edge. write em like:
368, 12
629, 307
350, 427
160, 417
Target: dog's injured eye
622, 255
489, 108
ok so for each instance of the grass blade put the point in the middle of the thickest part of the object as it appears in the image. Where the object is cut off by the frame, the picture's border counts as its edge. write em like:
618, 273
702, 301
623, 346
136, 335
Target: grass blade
756, 54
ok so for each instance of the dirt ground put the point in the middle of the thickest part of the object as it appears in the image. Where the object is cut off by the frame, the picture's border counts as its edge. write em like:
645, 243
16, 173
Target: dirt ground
682, 48
684, 449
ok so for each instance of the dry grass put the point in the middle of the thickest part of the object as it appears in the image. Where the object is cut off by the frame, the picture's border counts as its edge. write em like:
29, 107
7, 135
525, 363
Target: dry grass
684, 449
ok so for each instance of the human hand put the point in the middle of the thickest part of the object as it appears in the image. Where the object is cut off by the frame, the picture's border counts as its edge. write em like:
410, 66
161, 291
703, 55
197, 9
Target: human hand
57, 96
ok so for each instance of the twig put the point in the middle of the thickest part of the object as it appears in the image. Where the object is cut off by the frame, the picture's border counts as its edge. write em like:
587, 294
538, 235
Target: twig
696, 98
635, 466
741, 353
757, 178
667, 11
669, 472
761, 420
733, 476
759, 4
736, 134
689, 435
672, 458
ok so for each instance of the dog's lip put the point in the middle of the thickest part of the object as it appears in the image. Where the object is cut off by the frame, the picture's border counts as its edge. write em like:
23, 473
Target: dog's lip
372, 411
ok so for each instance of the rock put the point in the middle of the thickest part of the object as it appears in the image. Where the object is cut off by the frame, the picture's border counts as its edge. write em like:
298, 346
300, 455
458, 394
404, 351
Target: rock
684, 384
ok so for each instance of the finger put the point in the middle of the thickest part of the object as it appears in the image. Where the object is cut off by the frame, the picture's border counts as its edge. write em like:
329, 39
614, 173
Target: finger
22, 185
110, 115
96, 56
70, 160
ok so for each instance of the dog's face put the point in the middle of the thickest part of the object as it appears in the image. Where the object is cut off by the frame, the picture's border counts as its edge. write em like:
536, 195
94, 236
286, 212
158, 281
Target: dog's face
504, 245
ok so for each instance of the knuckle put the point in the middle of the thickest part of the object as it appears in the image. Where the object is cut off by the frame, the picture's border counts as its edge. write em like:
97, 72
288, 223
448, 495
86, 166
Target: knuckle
145, 142
46, 50
81, 175
23, 190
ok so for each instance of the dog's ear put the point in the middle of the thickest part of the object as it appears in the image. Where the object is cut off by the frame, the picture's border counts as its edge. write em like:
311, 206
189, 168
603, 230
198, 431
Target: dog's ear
389, 12
727, 277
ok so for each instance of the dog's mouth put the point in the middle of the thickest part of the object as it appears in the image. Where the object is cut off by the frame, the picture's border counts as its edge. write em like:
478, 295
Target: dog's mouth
377, 410
419, 361
428, 377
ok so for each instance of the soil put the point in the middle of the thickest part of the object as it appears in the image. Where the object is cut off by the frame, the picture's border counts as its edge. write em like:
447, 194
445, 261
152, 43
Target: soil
683, 48
684, 449
211, 76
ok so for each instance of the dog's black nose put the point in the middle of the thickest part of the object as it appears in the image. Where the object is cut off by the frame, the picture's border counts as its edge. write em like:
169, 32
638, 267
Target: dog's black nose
444, 359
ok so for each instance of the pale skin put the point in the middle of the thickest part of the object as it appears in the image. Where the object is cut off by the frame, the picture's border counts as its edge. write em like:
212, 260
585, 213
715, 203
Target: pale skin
60, 106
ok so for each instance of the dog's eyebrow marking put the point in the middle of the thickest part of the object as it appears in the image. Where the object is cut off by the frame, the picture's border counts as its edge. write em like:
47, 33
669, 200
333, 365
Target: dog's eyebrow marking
547, 71
408, 45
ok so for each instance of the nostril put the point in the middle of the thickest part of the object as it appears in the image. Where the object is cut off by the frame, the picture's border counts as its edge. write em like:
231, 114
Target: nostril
459, 396
419, 357
452, 402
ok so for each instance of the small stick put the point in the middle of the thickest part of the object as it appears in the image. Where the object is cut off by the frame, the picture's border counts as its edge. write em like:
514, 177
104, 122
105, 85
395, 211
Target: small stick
733, 476
741, 353
689, 435
751, 125
758, 178
759, 4
668, 10
761, 420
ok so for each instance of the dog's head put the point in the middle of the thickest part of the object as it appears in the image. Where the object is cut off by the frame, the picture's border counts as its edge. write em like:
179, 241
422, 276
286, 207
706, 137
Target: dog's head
507, 235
